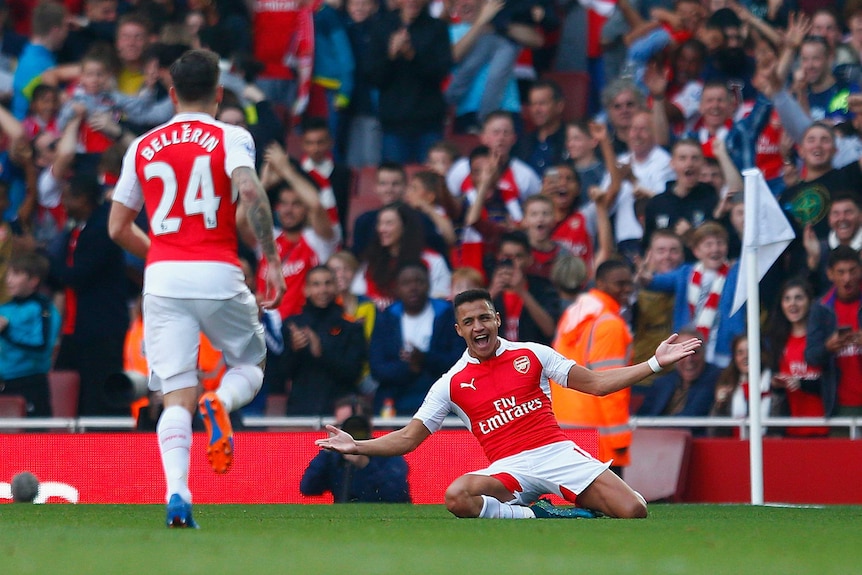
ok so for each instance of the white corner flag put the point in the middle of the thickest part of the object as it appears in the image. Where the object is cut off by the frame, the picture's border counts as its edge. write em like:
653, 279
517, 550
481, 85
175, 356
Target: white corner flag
768, 232
766, 235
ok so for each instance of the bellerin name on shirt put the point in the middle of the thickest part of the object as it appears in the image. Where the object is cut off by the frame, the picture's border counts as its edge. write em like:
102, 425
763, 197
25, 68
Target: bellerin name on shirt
185, 135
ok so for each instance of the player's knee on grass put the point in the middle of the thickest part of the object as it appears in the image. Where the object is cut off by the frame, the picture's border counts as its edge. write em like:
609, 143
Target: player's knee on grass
459, 502
632, 507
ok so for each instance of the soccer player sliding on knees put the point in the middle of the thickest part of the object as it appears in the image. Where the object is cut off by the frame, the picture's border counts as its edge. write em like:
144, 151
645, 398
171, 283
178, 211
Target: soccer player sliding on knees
501, 390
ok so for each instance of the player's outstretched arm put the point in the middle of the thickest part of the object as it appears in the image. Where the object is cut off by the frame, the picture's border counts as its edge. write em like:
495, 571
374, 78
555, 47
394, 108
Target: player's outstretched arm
667, 353
258, 217
398, 442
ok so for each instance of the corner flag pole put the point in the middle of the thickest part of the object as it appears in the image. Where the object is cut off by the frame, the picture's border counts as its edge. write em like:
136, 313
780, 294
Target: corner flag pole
750, 246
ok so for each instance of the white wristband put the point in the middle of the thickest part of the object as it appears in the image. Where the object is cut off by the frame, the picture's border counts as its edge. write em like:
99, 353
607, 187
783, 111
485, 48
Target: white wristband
654, 365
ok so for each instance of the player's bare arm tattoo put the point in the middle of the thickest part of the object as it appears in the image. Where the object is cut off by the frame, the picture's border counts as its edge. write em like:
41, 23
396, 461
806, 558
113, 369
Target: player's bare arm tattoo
259, 214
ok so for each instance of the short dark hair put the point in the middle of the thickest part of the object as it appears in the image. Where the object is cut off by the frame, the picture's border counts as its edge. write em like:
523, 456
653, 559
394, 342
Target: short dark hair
86, 185
665, 233
46, 16
496, 114
313, 123
556, 91
446, 146
410, 264
104, 54
842, 254
31, 263
480, 151
686, 142
136, 18
516, 237
388, 166
195, 75
846, 196
609, 266
164, 54
472, 295
318, 268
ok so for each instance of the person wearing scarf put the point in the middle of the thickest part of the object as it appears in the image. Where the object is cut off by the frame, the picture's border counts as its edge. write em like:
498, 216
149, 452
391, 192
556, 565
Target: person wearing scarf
704, 293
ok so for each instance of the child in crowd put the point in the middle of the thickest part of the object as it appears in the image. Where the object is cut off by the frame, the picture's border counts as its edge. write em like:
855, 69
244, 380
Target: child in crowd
441, 156
581, 150
570, 228
732, 390
464, 279
103, 105
44, 107
538, 223
427, 193
6, 240
703, 293
29, 325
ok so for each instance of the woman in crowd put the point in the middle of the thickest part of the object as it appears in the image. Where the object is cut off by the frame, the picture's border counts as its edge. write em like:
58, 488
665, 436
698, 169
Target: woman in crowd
397, 239
732, 390
798, 388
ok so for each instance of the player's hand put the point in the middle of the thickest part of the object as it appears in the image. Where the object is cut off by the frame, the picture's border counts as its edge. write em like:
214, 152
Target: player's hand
671, 351
338, 440
275, 287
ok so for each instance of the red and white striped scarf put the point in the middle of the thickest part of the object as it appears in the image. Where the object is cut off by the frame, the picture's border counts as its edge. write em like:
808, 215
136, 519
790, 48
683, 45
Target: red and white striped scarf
509, 192
705, 320
320, 173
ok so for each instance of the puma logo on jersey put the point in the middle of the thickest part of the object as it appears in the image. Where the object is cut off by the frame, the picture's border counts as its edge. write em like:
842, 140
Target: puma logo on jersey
471, 385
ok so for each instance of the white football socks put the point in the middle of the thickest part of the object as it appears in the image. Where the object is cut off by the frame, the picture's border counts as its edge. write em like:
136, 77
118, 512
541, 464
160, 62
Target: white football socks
494, 509
239, 386
175, 441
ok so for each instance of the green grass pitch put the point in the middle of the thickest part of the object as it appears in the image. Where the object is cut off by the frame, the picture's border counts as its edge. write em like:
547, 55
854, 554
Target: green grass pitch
426, 540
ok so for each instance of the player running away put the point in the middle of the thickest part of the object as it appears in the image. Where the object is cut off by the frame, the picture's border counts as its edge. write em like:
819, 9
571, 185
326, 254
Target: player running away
500, 390
190, 173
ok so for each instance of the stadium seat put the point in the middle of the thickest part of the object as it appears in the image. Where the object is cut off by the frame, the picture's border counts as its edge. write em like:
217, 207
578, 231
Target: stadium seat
362, 197
65, 386
659, 463
13, 406
464, 142
576, 91
411, 169
276, 405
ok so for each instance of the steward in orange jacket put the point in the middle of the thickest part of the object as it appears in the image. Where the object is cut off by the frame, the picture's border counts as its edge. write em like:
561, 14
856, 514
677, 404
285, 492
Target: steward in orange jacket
592, 332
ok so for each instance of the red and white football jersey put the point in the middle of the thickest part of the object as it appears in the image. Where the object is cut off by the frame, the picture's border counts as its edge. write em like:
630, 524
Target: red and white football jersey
181, 172
296, 259
505, 401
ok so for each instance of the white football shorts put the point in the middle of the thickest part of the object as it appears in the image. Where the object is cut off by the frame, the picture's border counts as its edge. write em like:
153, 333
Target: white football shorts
172, 335
561, 468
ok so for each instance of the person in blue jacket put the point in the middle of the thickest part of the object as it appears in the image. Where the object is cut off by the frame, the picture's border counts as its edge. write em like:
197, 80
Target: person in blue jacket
357, 478
687, 391
29, 325
413, 342
704, 292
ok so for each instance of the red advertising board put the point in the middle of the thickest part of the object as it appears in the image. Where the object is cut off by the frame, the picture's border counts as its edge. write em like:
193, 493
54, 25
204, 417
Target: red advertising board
126, 467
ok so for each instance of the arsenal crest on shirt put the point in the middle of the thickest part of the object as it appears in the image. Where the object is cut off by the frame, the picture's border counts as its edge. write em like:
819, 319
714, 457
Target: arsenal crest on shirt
522, 364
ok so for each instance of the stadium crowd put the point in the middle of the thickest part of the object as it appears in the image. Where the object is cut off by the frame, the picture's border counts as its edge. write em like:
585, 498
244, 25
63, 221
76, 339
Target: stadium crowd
414, 149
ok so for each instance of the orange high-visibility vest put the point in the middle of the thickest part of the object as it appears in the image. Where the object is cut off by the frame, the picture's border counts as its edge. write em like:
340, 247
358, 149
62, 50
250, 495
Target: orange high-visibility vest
592, 333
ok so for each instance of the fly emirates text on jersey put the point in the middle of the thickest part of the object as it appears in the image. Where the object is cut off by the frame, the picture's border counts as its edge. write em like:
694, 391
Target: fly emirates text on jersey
508, 410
